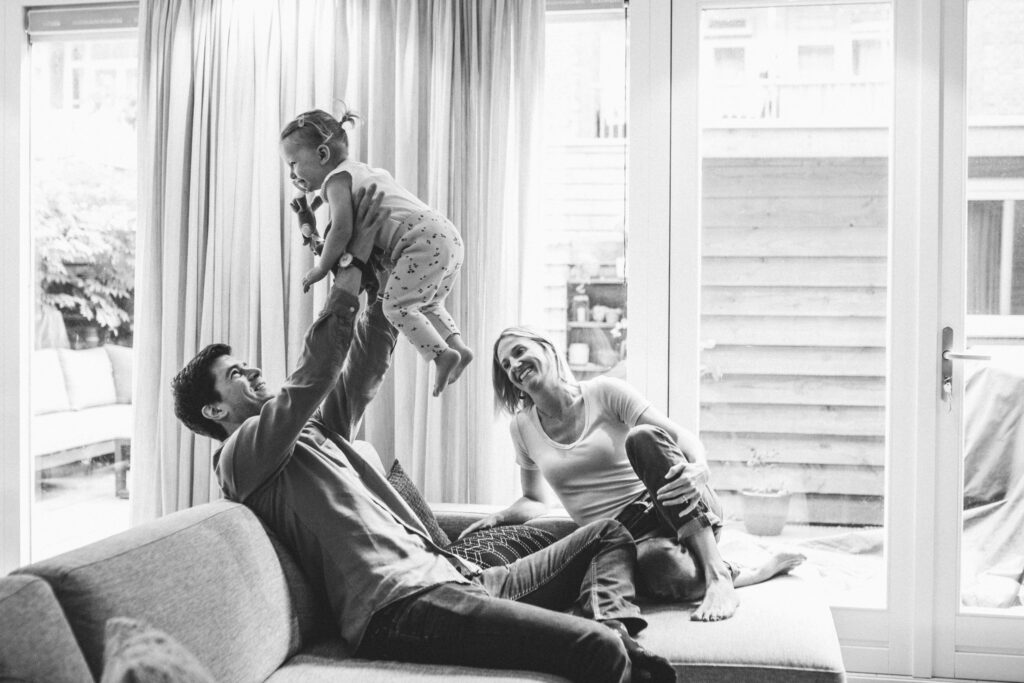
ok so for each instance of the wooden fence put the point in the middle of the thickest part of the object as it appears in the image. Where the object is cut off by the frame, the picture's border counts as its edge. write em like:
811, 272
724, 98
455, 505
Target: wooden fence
794, 325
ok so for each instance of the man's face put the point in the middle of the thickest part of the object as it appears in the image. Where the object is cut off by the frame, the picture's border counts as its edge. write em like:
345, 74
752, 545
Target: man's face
242, 389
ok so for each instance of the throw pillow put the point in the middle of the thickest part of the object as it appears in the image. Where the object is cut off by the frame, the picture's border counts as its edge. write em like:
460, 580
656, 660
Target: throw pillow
121, 363
137, 653
88, 376
501, 544
401, 482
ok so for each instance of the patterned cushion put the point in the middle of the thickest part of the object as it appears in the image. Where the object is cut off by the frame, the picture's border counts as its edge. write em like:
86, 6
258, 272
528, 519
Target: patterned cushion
137, 653
501, 544
400, 480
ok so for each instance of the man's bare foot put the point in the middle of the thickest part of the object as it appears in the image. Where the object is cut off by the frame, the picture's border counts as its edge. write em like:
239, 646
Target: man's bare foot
781, 562
720, 600
455, 342
445, 364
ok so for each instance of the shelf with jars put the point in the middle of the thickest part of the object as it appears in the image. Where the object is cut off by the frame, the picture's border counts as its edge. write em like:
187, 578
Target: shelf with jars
596, 325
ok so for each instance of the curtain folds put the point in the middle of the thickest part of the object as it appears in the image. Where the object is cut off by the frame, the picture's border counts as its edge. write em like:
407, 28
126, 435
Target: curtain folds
448, 92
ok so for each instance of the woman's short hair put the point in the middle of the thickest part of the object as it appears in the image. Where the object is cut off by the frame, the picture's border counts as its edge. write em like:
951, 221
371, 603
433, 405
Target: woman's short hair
508, 398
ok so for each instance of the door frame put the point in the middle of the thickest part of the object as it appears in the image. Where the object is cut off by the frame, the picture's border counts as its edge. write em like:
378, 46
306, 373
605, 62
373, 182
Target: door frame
896, 640
978, 645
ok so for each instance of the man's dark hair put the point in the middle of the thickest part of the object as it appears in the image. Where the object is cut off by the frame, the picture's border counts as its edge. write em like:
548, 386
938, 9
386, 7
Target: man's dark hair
193, 388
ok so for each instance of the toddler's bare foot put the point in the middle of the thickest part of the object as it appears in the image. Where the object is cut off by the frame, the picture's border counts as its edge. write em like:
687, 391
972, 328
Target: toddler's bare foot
455, 342
720, 599
444, 365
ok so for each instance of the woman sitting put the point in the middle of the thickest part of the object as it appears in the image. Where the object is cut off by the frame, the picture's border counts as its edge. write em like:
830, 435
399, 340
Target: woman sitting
607, 453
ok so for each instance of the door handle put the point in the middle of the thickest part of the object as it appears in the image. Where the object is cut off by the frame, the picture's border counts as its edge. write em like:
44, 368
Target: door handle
948, 356
962, 355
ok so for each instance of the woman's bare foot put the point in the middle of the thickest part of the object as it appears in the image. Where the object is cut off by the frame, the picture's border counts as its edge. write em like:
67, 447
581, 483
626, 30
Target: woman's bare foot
720, 599
445, 364
781, 562
465, 353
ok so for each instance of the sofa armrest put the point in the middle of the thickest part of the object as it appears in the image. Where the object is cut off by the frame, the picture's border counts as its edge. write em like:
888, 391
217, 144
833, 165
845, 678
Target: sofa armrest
454, 517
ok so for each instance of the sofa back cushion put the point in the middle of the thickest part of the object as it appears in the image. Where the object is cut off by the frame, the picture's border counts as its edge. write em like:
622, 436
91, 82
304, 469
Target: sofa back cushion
208, 576
88, 376
121, 364
36, 643
48, 392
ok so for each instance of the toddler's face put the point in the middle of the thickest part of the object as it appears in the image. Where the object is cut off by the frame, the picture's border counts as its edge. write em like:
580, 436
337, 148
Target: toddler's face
306, 168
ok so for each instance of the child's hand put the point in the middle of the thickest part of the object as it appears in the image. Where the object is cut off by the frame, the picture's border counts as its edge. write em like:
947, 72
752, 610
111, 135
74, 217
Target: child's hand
304, 212
315, 274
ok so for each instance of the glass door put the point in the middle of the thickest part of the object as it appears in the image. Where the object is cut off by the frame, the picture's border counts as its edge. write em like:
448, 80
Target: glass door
981, 423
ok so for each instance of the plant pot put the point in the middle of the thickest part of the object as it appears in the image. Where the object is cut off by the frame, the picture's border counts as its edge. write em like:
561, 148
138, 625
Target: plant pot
765, 512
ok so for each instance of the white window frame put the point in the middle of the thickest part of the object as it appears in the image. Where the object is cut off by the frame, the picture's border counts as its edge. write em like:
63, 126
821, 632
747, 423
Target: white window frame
16, 281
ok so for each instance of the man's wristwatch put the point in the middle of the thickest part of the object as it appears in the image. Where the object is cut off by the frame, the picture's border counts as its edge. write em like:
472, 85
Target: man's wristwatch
348, 259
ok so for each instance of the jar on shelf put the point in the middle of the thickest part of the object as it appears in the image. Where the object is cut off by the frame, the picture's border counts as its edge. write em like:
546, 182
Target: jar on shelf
580, 307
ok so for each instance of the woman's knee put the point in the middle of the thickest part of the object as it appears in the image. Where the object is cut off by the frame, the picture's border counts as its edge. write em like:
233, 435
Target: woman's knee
647, 443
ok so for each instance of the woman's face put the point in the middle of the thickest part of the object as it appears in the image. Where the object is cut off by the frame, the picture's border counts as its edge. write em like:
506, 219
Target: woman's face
526, 362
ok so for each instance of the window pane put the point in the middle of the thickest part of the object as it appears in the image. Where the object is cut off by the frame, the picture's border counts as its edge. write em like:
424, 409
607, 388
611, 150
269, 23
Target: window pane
794, 210
574, 284
992, 561
83, 185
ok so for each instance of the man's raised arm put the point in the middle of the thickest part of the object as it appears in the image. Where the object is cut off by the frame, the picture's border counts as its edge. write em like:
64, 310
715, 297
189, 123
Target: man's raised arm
369, 354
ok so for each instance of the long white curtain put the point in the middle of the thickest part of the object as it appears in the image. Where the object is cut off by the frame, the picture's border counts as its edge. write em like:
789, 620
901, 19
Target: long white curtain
448, 92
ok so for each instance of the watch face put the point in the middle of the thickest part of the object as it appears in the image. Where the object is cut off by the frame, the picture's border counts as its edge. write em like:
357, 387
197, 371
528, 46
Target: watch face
346, 260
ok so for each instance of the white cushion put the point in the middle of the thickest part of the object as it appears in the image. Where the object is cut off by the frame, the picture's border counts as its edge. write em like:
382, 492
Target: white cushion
48, 392
57, 432
88, 377
121, 363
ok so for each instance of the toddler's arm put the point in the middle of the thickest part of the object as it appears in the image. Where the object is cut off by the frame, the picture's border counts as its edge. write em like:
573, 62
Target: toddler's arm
339, 195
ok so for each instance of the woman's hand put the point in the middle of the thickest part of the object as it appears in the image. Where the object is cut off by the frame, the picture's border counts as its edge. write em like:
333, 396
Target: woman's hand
487, 522
685, 481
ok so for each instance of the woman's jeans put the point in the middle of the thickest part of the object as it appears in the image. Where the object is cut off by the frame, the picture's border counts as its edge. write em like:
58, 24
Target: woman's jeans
666, 570
507, 619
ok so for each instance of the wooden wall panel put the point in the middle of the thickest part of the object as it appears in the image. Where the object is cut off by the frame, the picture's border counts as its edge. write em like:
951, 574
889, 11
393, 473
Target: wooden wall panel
794, 304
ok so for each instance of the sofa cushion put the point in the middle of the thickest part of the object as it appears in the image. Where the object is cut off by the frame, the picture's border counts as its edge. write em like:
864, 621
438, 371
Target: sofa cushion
88, 377
36, 643
782, 633
412, 496
502, 544
326, 665
208, 576
121, 358
138, 653
55, 432
48, 392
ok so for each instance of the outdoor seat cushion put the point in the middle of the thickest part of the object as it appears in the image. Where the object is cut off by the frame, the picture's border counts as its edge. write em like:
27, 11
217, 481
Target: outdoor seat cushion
54, 432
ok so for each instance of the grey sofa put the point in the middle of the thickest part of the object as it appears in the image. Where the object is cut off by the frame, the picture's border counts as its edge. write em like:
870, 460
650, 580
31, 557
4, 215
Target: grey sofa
214, 579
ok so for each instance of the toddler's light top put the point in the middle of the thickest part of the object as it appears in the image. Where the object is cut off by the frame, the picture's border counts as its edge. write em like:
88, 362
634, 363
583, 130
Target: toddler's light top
404, 205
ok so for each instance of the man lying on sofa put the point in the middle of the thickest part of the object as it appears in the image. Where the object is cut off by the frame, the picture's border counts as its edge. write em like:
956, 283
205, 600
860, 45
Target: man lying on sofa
395, 594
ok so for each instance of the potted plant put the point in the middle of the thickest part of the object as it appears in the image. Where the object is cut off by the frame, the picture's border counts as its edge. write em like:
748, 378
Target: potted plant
766, 502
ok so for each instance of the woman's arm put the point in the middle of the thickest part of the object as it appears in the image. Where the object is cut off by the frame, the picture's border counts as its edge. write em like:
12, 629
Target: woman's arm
534, 502
339, 195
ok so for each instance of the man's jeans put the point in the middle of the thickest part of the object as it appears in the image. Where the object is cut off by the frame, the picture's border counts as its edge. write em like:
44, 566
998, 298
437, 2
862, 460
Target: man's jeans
505, 619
